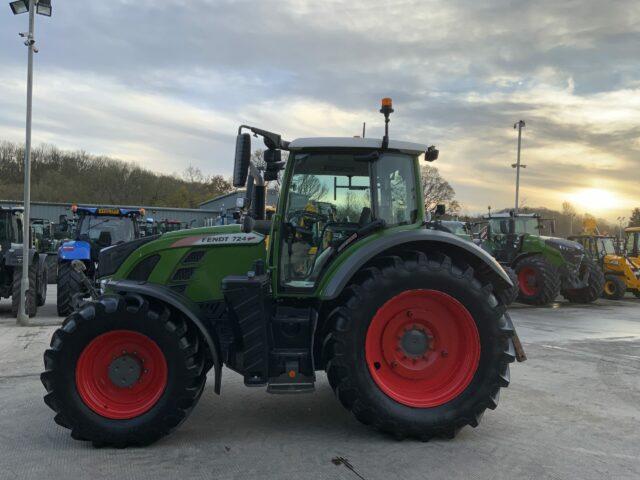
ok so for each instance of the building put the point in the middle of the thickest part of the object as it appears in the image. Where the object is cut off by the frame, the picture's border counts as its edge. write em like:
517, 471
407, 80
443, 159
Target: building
195, 217
228, 202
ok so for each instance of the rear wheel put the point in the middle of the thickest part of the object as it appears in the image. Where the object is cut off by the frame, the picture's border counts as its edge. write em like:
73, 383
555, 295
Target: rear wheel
42, 287
538, 280
418, 348
122, 371
31, 304
511, 295
69, 283
594, 288
614, 287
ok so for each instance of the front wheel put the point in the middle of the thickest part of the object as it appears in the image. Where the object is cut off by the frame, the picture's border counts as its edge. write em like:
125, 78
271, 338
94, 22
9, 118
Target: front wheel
122, 371
594, 288
42, 287
614, 287
538, 280
418, 347
69, 284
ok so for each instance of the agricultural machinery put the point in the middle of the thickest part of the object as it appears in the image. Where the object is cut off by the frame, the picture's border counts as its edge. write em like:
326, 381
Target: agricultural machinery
96, 228
11, 257
621, 275
545, 266
407, 322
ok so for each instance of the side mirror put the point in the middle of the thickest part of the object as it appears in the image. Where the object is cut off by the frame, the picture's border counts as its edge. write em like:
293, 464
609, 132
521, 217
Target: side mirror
440, 210
243, 157
431, 154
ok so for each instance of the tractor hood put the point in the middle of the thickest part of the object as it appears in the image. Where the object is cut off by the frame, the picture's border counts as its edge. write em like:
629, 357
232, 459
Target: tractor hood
562, 244
571, 251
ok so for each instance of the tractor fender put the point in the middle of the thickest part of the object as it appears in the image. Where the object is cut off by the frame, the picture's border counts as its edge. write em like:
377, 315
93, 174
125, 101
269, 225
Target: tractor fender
74, 250
180, 303
13, 256
431, 239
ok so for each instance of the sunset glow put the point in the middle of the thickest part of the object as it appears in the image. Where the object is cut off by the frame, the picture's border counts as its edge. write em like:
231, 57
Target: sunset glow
594, 199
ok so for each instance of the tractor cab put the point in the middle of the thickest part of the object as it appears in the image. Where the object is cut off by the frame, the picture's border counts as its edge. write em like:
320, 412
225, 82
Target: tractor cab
632, 244
98, 228
336, 192
10, 227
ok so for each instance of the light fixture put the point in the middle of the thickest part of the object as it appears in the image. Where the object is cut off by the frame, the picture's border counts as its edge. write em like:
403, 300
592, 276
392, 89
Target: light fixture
19, 6
43, 7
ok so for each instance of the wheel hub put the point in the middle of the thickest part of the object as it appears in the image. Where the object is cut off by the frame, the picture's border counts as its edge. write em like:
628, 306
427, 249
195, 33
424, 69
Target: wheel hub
415, 342
125, 371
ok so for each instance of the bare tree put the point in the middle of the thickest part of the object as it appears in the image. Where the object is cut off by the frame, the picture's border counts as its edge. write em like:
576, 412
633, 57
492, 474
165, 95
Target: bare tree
437, 190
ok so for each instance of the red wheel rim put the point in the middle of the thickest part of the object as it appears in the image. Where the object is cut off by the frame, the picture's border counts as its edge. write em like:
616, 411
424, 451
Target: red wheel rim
528, 281
422, 348
97, 374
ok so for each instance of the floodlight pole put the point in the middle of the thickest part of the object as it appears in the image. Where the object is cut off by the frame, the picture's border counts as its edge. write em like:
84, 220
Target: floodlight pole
519, 126
23, 318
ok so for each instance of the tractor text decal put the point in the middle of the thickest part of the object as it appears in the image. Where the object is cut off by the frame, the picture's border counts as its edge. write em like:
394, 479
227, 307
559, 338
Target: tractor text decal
221, 239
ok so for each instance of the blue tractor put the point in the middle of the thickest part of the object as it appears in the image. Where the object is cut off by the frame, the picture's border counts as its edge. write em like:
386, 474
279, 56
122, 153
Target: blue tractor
96, 228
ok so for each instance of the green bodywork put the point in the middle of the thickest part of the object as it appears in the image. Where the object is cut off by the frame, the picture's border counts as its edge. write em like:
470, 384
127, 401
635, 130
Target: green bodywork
531, 245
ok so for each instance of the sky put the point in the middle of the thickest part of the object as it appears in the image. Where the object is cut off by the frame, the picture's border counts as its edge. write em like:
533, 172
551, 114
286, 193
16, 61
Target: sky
165, 84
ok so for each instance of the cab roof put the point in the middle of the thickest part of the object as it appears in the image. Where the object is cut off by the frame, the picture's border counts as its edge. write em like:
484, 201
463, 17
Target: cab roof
632, 229
356, 142
508, 215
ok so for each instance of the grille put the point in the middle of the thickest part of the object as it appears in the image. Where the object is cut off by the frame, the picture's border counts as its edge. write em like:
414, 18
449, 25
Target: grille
183, 274
193, 257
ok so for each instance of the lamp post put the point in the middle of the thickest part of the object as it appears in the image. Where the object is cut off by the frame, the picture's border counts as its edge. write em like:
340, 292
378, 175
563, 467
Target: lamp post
41, 7
519, 125
620, 221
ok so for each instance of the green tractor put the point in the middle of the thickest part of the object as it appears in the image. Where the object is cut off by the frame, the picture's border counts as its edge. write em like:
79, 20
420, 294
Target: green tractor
11, 257
545, 266
407, 322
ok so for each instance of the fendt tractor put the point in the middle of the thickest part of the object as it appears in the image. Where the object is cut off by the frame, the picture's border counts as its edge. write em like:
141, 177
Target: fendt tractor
96, 228
406, 321
11, 264
545, 266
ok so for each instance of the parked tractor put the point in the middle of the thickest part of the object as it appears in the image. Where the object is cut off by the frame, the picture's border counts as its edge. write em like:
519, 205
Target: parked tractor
45, 242
11, 257
621, 275
406, 321
545, 266
96, 228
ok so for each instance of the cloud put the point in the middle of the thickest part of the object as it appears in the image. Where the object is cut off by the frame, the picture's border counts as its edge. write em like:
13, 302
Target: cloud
167, 83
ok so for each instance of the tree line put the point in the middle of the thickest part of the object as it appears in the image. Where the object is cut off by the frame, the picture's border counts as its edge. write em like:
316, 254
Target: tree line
78, 177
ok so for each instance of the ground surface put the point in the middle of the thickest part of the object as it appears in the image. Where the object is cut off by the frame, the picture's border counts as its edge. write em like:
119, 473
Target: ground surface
573, 411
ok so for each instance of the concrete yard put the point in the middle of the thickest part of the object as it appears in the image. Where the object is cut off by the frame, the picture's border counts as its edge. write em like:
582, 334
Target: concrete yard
572, 411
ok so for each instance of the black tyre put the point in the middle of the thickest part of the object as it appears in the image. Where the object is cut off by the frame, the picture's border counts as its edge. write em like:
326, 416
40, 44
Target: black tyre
379, 393
538, 280
614, 287
31, 306
122, 371
42, 287
510, 295
594, 288
69, 283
